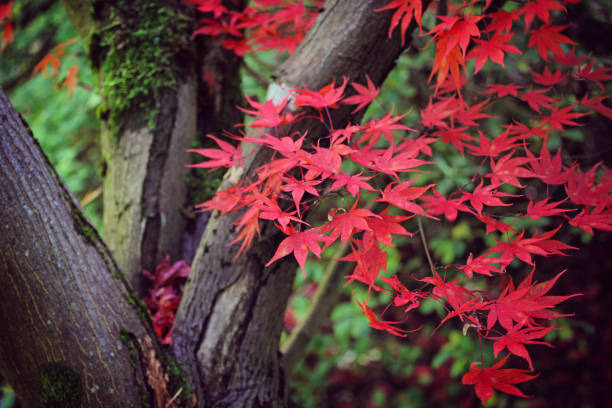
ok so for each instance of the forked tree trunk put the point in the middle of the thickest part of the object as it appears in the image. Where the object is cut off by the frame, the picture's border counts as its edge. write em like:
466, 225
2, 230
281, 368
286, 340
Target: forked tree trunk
68, 313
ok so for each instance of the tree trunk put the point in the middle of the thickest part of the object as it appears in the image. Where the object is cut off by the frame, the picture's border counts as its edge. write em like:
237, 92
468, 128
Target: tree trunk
233, 352
70, 328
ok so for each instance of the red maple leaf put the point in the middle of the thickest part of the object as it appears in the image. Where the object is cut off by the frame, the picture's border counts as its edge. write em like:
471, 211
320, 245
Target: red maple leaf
599, 217
536, 98
383, 324
525, 303
384, 225
562, 116
326, 97
486, 195
342, 224
597, 76
515, 339
548, 38
547, 78
406, 9
501, 20
370, 259
299, 243
492, 49
437, 204
482, 265
403, 195
596, 103
547, 169
486, 379
456, 136
227, 156
364, 96
503, 90
544, 209
523, 248
540, 9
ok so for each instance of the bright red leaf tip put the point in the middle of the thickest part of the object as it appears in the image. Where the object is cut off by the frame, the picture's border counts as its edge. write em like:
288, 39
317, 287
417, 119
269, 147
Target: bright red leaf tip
383, 324
364, 96
299, 243
494, 377
226, 156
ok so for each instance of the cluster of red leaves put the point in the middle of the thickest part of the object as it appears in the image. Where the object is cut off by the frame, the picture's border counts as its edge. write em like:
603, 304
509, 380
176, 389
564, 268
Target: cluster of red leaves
375, 162
53, 60
164, 297
6, 11
271, 24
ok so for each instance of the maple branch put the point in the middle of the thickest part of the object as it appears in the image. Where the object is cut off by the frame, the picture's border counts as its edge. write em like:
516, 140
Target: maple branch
324, 299
425, 246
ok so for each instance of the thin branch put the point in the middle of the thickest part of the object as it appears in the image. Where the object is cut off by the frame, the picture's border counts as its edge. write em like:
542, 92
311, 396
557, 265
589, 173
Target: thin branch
261, 80
424, 241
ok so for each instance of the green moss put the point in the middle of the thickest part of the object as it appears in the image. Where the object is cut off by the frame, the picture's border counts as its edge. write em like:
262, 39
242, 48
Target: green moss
60, 387
139, 306
137, 52
178, 379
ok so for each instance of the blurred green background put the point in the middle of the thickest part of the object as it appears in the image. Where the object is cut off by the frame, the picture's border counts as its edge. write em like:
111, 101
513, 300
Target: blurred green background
348, 364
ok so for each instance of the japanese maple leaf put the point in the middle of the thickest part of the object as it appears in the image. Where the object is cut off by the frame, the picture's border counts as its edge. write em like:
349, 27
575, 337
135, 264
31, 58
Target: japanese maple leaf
405, 11
548, 38
384, 225
458, 32
383, 324
434, 113
388, 162
493, 225
492, 49
597, 76
495, 147
437, 204
465, 312
269, 114
569, 59
370, 259
404, 296
326, 97
582, 188
545, 209
501, 20
297, 188
599, 218
209, 6
486, 195
515, 339
536, 98
525, 132
270, 210
486, 379
299, 243
540, 9
456, 136
227, 156
470, 114
374, 128
364, 96
503, 90
481, 264
354, 183
596, 103
445, 62
525, 303
454, 294
547, 78
342, 224
223, 201
547, 169
403, 195
508, 169
523, 248
248, 225
562, 116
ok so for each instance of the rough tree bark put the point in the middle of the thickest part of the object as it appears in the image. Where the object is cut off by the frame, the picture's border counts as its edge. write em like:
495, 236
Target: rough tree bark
229, 322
